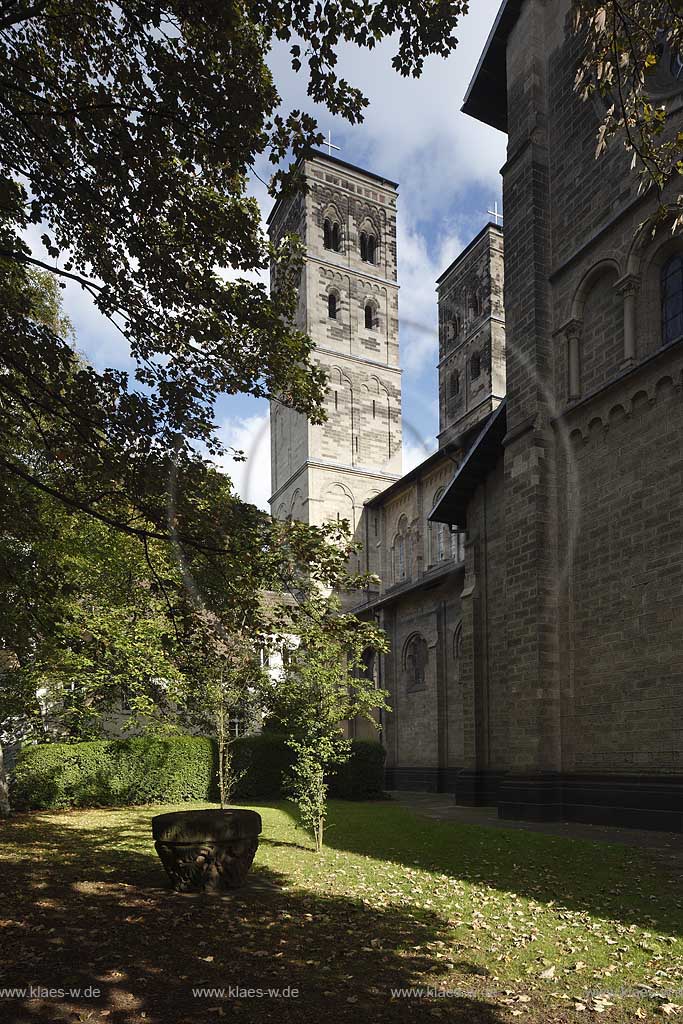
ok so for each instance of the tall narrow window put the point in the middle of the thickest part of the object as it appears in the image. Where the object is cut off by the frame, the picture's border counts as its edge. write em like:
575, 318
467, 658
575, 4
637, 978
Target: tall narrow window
454, 385
672, 299
401, 551
327, 234
401, 558
368, 247
332, 306
415, 661
336, 239
475, 366
369, 318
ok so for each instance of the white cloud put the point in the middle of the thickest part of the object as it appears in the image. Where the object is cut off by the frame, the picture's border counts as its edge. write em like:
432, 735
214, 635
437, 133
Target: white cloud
415, 452
250, 435
418, 271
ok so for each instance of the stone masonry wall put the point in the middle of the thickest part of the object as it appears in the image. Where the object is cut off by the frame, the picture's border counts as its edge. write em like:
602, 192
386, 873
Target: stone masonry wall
593, 495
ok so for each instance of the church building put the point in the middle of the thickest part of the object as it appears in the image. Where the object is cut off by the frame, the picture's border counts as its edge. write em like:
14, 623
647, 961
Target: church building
532, 567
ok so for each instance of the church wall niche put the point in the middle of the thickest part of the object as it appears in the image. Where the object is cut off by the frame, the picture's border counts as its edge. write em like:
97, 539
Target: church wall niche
601, 344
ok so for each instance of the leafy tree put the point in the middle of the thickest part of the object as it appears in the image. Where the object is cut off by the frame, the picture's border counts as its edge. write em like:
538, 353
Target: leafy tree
632, 55
127, 134
322, 685
224, 678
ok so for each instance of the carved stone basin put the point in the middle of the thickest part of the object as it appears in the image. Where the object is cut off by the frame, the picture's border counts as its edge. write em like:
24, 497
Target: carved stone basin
207, 851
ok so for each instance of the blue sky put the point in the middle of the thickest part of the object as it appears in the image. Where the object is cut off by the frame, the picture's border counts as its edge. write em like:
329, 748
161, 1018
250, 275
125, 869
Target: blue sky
447, 166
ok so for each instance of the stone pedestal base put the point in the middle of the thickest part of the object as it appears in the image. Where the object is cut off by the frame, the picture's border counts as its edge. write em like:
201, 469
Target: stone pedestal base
208, 867
208, 851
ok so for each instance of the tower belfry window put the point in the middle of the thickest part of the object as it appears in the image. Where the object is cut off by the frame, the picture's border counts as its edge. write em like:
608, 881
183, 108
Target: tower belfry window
332, 306
369, 318
475, 366
331, 235
368, 247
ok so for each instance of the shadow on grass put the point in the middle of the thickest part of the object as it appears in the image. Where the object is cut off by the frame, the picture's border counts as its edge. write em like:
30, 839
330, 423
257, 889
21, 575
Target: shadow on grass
620, 882
87, 904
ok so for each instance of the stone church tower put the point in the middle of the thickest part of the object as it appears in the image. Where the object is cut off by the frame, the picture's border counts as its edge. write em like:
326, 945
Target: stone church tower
471, 335
348, 304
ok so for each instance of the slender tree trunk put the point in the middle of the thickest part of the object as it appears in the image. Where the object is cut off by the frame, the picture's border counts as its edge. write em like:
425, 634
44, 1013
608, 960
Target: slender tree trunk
4, 788
221, 755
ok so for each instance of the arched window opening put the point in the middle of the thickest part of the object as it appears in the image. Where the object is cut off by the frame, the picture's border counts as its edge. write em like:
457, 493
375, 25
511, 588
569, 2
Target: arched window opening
454, 384
401, 558
475, 366
401, 551
457, 325
332, 306
369, 316
374, 409
415, 660
331, 235
672, 299
368, 247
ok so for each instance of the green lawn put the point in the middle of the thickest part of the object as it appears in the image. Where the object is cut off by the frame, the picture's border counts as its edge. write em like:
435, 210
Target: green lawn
514, 924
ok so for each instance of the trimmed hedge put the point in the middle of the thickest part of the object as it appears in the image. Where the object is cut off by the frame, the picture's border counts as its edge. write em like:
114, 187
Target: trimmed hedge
265, 760
262, 760
114, 773
362, 776
172, 769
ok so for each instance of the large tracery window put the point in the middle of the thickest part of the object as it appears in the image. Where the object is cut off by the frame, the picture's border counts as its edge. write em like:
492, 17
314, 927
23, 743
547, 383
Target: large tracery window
672, 299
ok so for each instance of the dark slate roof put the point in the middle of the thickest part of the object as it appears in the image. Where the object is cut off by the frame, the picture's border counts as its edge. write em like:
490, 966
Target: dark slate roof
480, 459
486, 96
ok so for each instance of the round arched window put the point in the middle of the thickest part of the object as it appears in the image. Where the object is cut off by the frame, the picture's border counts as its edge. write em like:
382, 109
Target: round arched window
672, 299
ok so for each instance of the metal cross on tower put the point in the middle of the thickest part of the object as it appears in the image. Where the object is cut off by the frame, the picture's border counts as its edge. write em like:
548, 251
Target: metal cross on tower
330, 145
494, 212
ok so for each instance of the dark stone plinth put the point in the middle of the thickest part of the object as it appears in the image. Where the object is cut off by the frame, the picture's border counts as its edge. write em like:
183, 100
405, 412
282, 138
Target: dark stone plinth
207, 851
